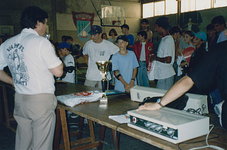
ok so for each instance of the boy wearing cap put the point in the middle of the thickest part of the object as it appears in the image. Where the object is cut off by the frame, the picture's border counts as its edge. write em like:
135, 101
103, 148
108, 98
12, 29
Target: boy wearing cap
69, 62
96, 49
199, 41
124, 65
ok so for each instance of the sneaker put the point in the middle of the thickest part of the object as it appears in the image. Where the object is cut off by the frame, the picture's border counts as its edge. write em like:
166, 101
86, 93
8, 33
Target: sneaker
218, 111
85, 121
74, 116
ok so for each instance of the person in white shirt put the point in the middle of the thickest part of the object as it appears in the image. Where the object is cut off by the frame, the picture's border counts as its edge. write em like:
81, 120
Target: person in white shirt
69, 62
164, 71
32, 62
96, 49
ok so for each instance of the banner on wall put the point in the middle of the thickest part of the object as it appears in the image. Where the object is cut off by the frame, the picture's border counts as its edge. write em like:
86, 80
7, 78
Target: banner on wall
83, 22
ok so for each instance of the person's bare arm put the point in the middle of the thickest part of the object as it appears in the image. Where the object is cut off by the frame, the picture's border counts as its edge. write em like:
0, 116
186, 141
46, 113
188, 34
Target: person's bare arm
177, 90
5, 77
85, 57
134, 73
57, 71
164, 59
120, 78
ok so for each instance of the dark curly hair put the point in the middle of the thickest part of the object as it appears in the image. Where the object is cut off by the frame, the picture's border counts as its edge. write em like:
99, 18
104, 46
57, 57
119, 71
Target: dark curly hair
174, 30
143, 34
31, 15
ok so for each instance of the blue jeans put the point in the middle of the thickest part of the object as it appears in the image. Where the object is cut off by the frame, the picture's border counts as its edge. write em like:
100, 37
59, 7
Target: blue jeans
142, 78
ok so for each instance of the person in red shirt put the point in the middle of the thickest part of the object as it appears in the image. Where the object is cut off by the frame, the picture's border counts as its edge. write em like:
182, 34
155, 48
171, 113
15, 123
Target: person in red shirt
143, 50
187, 52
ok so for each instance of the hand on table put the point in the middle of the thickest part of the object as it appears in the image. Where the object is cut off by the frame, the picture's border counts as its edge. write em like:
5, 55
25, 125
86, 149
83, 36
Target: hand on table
149, 106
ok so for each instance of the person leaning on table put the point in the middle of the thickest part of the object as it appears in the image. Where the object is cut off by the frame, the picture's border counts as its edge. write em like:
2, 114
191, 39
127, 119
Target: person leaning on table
210, 73
32, 62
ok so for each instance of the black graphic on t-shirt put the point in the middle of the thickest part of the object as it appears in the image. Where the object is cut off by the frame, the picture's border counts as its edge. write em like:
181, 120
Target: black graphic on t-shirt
15, 58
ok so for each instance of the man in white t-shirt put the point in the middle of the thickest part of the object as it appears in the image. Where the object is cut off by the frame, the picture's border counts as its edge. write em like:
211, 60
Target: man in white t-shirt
163, 70
96, 49
32, 62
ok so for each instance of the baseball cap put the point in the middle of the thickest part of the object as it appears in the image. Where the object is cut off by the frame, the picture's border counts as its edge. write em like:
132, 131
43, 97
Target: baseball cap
95, 29
144, 21
201, 35
64, 45
122, 37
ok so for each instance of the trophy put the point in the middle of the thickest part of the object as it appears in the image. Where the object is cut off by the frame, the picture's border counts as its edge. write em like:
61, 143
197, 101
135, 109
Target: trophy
103, 67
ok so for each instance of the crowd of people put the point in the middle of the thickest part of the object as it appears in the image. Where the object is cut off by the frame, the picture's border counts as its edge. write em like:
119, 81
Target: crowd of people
180, 63
193, 61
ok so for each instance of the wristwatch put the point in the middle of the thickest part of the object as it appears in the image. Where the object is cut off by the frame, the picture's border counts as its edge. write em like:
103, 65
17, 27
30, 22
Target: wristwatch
159, 102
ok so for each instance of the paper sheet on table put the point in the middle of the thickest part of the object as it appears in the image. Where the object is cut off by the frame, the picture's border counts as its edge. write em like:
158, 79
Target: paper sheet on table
72, 99
120, 118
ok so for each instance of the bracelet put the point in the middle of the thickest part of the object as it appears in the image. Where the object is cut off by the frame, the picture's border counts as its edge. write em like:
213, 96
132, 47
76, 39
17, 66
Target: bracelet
133, 79
118, 76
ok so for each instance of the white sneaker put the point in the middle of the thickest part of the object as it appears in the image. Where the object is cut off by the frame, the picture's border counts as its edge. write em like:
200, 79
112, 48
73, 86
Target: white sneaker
85, 121
74, 116
218, 111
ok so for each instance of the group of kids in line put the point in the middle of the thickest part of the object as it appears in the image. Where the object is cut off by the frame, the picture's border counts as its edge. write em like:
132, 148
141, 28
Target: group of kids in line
135, 61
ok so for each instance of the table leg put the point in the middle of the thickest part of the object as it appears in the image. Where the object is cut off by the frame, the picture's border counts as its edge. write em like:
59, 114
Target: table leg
81, 127
102, 131
116, 139
65, 132
57, 133
91, 129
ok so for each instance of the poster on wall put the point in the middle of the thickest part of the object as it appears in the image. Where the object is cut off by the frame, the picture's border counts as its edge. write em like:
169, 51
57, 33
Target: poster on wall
191, 21
83, 22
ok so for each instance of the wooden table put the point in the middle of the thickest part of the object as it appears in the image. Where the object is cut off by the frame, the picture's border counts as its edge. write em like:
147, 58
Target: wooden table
120, 104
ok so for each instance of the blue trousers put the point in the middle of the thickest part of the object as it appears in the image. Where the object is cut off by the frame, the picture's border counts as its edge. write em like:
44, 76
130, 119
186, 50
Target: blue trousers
142, 78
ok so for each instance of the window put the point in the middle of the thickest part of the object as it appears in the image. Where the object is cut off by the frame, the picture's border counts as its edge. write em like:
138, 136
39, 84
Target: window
148, 10
165, 7
187, 5
220, 3
200, 5
192, 5
159, 8
171, 7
